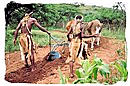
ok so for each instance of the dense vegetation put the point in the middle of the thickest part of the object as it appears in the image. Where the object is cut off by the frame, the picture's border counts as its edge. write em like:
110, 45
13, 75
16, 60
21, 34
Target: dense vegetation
57, 15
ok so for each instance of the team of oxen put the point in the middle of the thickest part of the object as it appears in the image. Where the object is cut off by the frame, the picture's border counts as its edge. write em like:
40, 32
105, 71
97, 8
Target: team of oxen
79, 34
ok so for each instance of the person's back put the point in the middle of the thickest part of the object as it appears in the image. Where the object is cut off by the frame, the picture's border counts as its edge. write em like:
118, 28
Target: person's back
24, 28
25, 38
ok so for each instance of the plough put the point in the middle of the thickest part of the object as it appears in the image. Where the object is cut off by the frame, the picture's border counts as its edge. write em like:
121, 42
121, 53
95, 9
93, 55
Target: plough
53, 54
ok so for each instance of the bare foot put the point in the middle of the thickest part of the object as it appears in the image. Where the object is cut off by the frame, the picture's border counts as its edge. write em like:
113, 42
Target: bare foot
33, 68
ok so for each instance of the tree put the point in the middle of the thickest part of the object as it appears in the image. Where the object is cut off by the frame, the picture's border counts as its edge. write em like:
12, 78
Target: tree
16, 10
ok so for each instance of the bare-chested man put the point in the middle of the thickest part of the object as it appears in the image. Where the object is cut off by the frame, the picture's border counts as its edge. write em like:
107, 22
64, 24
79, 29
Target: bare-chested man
25, 39
75, 35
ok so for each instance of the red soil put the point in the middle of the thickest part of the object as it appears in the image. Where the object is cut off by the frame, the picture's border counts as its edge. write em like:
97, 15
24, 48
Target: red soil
47, 72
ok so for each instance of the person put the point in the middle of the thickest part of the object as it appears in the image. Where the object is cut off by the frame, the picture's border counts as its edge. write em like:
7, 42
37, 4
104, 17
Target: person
75, 35
25, 38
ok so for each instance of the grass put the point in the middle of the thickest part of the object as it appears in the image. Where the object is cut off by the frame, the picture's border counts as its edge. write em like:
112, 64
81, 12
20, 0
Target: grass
42, 39
119, 34
9, 42
39, 37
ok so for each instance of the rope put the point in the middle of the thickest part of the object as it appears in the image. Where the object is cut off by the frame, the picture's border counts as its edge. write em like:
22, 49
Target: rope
53, 39
50, 42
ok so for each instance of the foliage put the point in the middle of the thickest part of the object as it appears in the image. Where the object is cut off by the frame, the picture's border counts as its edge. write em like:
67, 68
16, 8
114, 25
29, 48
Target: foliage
111, 18
89, 71
121, 65
103, 13
57, 15
46, 14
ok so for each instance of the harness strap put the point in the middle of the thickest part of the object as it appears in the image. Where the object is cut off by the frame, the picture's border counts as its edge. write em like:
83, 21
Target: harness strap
25, 23
28, 29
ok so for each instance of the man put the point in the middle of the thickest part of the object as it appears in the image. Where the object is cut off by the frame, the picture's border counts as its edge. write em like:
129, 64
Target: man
25, 39
75, 35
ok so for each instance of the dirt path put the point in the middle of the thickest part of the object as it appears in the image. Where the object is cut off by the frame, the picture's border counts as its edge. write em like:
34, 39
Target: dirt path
47, 72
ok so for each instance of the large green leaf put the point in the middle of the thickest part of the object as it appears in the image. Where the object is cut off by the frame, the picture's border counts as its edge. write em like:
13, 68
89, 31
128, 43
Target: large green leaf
123, 63
104, 70
105, 67
90, 69
121, 67
95, 70
80, 73
98, 61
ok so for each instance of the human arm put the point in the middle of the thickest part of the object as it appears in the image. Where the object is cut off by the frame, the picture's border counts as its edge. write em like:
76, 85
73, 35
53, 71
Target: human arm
70, 30
87, 36
40, 27
16, 33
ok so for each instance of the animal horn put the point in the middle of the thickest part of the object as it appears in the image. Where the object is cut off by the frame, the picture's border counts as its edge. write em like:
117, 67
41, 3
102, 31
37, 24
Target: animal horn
75, 17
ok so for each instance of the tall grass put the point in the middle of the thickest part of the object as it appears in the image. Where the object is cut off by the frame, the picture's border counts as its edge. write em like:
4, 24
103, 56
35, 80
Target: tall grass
118, 34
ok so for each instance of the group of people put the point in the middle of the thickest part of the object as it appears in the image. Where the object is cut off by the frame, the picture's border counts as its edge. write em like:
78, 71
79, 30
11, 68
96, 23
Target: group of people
76, 33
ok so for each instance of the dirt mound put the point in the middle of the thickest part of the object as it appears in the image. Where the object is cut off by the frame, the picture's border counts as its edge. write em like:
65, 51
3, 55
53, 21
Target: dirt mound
46, 72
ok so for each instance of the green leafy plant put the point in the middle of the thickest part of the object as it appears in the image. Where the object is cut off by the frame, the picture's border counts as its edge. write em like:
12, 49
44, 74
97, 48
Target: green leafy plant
121, 65
89, 71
